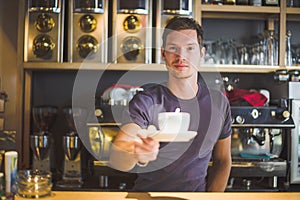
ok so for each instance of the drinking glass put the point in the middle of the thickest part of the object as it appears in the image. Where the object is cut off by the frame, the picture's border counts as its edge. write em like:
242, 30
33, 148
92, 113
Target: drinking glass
209, 57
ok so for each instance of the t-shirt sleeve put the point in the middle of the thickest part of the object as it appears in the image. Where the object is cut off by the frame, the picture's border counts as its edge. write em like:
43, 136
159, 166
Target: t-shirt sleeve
139, 111
227, 130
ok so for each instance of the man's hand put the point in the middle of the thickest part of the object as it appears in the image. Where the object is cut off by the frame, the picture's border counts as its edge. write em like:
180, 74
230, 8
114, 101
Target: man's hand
130, 148
146, 149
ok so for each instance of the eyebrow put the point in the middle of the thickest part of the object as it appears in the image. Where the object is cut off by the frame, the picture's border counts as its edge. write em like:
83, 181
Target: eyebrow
181, 45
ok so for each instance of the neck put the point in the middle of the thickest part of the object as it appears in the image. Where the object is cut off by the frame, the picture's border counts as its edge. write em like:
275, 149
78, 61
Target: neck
184, 88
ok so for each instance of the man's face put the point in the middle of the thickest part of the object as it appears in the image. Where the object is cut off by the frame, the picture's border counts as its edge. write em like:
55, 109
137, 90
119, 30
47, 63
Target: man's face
182, 53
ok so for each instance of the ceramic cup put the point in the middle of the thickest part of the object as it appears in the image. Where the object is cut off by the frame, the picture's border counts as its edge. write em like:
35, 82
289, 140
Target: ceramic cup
173, 122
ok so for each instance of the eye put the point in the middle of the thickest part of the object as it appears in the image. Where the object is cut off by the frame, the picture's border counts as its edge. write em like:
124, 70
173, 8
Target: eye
172, 49
190, 48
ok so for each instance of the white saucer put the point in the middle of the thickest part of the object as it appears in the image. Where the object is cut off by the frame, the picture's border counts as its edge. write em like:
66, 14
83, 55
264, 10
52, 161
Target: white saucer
174, 137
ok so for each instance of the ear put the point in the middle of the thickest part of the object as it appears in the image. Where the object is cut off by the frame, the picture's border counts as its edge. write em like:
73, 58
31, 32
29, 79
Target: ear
163, 53
202, 52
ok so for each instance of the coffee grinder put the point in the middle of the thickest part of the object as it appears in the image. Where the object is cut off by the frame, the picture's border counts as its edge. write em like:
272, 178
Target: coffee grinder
132, 40
72, 145
40, 141
88, 30
43, 33
166, 10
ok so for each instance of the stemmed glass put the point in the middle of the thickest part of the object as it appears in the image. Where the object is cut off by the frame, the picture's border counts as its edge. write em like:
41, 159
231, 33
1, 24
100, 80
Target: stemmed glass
209, 57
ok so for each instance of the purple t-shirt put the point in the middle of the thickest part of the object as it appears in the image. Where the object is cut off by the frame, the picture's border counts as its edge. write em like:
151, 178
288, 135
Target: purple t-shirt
180, 166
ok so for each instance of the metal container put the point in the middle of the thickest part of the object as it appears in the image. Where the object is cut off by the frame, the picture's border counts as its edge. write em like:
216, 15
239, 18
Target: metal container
43, 35
131, 27
88, 31
167, 9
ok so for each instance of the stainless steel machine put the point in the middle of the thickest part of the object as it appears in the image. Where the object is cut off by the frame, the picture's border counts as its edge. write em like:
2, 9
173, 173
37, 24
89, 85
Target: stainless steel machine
131, 30
258, 141
43, 34
167, 9
72, 145
41, 141
87, 30
294, 95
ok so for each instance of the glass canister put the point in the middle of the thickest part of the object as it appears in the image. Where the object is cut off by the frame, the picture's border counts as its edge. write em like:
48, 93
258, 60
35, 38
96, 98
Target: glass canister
33, 183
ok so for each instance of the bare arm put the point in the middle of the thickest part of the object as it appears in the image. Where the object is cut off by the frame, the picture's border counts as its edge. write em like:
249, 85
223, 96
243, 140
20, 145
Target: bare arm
219, 173
129, 148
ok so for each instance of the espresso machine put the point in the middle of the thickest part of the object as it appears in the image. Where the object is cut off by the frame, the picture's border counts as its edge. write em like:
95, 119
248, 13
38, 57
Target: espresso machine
43, 34
258, 140
41, 141
88, 30
131, 27
72, 177
167, 9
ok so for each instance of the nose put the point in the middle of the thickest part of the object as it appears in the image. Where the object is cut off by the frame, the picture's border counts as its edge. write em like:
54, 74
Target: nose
181, 54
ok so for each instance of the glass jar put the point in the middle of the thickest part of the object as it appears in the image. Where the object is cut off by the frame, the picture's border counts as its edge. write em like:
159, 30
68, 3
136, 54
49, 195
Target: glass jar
33, 183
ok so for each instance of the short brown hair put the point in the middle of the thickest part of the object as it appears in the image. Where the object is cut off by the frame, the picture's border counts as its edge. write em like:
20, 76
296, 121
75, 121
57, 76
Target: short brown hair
183, 23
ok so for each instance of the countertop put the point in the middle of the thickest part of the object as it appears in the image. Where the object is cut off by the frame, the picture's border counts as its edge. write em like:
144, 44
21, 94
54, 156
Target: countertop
57, 195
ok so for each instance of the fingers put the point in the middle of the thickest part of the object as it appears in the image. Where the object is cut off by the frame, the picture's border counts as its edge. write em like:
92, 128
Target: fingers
147, 144
147, 149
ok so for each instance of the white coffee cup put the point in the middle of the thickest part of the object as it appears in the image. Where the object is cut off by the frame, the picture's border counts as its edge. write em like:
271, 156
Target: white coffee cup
173, 122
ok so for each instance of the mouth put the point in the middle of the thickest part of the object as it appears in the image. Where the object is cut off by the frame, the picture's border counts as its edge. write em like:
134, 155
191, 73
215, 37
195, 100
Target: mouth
180, 66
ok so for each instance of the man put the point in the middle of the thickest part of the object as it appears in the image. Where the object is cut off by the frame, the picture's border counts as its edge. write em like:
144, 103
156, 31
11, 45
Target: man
178, 166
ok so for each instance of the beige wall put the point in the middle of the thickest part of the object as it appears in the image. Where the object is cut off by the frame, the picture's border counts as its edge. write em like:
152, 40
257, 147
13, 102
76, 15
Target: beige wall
9, 58
11, 66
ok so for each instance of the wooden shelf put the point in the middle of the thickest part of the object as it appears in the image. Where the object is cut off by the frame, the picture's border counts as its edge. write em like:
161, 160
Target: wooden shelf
293, 11
146, 67
239, 68
240, 9
293, 14
239, 12
93, 66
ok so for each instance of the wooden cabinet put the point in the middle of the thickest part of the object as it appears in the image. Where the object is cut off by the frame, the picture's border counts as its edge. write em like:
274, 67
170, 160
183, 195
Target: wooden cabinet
281, 16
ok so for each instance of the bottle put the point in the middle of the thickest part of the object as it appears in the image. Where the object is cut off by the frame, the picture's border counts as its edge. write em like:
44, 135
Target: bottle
290, 3
206, 1
255, 2
2, 191
11, 167
217, 2
288, 53
229, 2
270, 48
271, 2
242, 2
